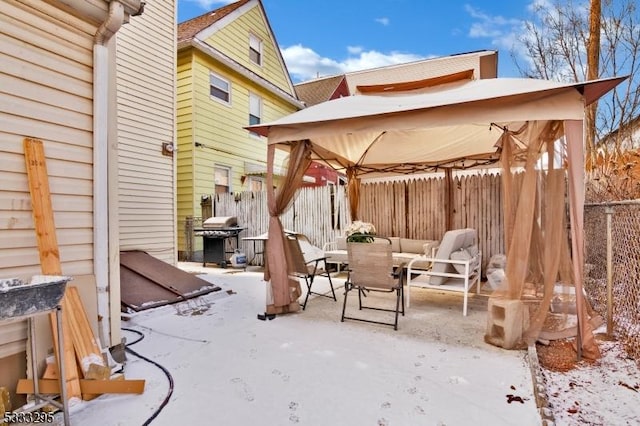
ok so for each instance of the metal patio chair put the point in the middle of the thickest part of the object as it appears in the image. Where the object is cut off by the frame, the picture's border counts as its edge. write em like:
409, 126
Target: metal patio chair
371, 269
308, 267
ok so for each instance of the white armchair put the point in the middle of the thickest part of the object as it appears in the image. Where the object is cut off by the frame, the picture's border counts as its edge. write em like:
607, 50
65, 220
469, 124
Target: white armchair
456, 266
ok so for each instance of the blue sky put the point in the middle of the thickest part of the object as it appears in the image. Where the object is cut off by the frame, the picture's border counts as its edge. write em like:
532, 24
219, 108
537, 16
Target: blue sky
329, 37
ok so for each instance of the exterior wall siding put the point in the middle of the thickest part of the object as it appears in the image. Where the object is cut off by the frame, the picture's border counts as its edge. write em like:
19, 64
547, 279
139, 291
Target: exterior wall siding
146, 107
184, 117
220, 127
233, 41
46, 63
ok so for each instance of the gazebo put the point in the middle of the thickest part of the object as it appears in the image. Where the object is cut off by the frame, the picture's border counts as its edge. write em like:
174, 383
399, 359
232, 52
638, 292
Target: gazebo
447, 124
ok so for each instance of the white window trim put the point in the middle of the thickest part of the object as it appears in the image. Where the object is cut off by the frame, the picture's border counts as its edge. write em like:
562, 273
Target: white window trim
253, 37
259, 99
229, 176
215, 98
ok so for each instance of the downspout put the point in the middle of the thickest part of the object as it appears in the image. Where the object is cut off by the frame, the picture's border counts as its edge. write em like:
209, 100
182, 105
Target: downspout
101, 120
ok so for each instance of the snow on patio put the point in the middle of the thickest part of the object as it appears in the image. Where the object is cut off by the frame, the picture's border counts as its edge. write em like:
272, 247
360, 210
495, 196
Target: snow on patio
308, 368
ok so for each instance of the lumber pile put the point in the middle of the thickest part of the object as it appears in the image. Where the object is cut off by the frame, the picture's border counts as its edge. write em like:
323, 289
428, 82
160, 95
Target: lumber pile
87, 373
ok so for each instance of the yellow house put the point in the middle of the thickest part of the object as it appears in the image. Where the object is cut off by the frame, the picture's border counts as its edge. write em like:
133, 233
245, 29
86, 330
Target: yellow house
230, 73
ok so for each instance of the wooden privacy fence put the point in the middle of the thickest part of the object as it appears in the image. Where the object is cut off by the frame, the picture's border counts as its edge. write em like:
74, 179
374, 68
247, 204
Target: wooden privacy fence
416, 209
320, 213
412, 209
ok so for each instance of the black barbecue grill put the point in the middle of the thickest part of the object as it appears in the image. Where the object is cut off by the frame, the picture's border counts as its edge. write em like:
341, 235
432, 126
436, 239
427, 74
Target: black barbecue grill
219, 239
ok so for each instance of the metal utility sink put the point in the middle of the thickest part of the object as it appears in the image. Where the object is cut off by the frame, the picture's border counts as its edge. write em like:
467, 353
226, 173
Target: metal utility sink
19, 298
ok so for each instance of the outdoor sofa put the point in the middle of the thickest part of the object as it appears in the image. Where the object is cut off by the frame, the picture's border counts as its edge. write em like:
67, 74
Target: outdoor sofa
403, 250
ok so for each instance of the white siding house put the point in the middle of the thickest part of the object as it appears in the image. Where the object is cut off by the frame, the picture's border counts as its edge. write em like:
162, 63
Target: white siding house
94, 80
146, 64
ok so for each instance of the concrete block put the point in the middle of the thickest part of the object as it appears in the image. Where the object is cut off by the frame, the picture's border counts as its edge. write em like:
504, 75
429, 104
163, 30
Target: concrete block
505, 322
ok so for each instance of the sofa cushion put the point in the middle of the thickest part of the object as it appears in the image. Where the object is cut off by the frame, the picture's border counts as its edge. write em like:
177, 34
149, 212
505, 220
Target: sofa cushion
408, 245
395, 244
399, 258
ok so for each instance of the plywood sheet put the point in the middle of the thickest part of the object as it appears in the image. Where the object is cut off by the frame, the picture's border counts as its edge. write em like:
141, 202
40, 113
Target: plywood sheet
148, 282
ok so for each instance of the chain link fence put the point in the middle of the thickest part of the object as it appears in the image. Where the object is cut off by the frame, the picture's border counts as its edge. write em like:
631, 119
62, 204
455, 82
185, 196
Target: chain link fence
612, 268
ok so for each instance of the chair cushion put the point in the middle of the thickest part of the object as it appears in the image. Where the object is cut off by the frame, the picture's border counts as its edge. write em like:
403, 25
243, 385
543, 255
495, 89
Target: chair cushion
341, 243
451, 241
461, 254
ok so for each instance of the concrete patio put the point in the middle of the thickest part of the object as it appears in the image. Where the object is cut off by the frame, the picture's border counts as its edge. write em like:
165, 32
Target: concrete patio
230, 368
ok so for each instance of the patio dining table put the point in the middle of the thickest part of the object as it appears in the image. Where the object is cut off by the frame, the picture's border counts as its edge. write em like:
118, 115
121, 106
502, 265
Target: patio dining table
262, 238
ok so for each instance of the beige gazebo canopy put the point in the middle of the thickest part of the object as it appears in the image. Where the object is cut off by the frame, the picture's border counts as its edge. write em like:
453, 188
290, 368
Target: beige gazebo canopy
459, 125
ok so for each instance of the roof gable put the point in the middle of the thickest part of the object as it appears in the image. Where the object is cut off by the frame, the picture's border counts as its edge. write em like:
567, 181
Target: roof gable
223, 30
316, 91
424, 69
188, 29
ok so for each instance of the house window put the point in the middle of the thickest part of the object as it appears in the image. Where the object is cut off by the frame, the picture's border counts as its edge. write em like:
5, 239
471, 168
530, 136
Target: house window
222, 179
255, 49
256, 184
255, 110
220, 88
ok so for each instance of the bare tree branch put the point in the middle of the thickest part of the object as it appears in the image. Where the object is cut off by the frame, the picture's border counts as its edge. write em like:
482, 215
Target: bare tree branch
557, 39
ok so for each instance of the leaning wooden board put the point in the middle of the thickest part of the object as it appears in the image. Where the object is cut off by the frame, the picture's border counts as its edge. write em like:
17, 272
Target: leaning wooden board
85, 344
49, 253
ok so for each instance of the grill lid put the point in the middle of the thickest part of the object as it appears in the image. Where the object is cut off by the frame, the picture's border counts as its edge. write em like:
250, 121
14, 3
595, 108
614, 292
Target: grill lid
220, 222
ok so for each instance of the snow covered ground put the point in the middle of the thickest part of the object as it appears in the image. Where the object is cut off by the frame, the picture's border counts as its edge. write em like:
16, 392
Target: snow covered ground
229, 368
308, 368
606, 392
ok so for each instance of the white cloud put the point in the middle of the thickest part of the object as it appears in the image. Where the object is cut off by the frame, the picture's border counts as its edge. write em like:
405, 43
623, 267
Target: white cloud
479, 30
373, 59
304, 63
503, 32
383, 21
489, 26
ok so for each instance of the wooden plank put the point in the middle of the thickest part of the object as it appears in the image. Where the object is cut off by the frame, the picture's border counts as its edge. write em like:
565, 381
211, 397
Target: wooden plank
90, 396
41, 205
48, 250
51, 371
85, 343
50, 386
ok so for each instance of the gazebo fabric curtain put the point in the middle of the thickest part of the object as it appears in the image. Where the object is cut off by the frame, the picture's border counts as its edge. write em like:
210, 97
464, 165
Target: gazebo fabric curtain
574, 133
353, 190
536, 242
284, 291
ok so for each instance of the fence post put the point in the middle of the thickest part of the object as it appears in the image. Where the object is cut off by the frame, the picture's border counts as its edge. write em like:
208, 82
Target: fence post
609, 211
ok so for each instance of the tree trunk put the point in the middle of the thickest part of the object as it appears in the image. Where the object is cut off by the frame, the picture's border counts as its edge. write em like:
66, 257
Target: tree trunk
593, 59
